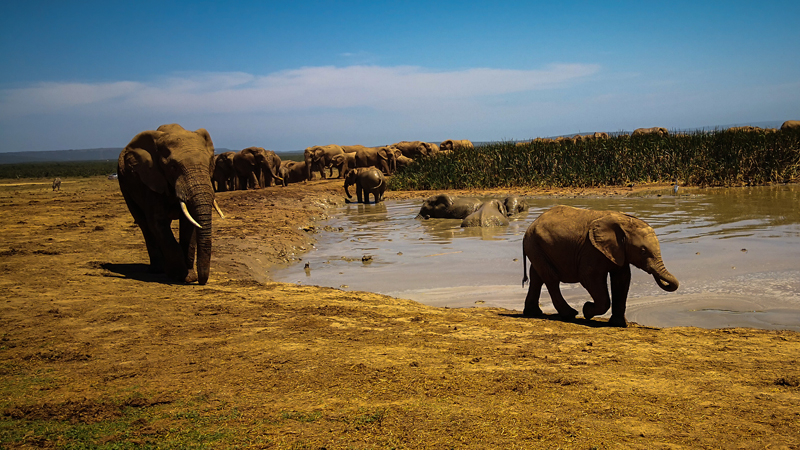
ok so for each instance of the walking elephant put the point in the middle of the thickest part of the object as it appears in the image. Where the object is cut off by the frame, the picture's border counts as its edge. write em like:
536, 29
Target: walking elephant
381, 157
224, 176
292, 172
368, 180
492, 213
319, 157
256, 167
445, 206
164, 175
572, 245
659, 131
453, 144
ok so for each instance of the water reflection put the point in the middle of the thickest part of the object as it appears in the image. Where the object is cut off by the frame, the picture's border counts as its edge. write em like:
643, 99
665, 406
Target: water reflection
720, 243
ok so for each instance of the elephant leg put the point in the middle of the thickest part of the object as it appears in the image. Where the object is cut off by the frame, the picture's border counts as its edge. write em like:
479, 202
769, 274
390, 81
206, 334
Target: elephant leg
188, 241
174, 263
360, 192
254, 180
243, 182
620, 283
563, 308
597, 286
532, 308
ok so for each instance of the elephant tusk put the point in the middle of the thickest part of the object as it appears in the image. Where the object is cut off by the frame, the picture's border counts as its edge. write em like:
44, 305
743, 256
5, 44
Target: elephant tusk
219, 211
189, 216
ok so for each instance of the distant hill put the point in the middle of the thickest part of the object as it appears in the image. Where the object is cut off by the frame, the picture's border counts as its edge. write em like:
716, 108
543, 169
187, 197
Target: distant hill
90, 154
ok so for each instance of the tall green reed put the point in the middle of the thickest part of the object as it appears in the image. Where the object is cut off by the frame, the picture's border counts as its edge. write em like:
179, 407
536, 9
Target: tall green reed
717, 158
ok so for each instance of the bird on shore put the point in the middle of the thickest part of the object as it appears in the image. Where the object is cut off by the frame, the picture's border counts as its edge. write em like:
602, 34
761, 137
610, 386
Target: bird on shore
675, 187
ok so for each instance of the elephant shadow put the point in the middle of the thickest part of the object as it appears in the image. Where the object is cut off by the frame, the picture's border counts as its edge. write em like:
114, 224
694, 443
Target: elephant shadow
138, 272
557, 318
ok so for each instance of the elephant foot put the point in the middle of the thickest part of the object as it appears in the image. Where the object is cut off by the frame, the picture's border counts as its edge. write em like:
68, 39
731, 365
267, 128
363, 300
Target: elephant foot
532, 312
587, 310
618, 321
191, 277
568, 315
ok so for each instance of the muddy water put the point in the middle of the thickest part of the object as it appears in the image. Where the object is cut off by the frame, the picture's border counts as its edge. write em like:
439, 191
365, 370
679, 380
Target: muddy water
735, 252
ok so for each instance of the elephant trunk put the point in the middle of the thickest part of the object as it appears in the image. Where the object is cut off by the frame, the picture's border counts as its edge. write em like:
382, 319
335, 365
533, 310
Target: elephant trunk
199, 199
663, 278
347, 189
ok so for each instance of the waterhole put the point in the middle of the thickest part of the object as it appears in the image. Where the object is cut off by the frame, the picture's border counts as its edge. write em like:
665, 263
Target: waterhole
735, 252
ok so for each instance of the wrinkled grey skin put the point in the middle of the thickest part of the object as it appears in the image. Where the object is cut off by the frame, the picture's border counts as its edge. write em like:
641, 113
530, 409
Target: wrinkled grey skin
514, 205
445, 206
491, 214
157, 171
368, 180
573, 245
344, 162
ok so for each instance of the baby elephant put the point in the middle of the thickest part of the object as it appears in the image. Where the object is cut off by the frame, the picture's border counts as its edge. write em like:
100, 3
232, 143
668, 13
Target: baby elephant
492, 213
572, 245
368, 180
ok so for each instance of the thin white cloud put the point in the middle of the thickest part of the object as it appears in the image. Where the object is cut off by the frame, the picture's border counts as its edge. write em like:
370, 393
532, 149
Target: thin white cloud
308, 88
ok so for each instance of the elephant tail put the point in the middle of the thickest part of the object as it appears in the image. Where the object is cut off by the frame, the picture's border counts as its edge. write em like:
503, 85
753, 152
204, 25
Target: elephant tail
524, 267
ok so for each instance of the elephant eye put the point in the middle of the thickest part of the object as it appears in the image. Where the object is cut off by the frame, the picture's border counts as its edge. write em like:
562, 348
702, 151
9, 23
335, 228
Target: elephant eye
644, 250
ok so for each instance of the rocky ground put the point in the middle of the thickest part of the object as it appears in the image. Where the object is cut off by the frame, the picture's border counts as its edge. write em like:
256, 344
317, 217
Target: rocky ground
95, 352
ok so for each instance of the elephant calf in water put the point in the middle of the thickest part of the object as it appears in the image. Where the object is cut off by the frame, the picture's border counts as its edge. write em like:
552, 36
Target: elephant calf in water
368, 180
495, 213
572, 245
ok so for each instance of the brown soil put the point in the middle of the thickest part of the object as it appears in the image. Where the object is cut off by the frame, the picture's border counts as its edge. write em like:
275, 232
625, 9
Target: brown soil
90, 339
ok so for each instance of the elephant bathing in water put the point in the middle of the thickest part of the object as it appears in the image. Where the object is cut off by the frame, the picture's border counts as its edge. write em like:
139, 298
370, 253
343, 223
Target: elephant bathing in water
492, 213
572, 245
445, 206
165, 175
368, 180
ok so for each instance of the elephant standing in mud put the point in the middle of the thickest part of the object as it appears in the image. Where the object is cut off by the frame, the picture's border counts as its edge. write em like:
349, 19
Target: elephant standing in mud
320, 157
445, 206
224, 176
453, 144
164, 175
573, 245
368, 180
256, 167
658, 131
491, 214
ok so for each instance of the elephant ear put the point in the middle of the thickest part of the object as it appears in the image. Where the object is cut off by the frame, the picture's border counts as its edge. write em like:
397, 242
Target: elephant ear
607, 235
209, 147
138, 156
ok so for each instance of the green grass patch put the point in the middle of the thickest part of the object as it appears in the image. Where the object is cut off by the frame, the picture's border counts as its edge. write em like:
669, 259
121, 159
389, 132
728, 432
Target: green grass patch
58, 169
720, 158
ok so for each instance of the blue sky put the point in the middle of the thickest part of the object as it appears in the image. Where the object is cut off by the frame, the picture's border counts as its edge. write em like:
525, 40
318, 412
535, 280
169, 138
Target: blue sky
287, 75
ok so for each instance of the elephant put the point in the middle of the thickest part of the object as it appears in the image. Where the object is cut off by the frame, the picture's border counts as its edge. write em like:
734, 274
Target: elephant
402, 161
514, 205
319, 157
57, 184
491, 214
445, 206
790, 125
344, 162
453, 144
164, 175
368, 180
416, 149
573, 245
600, 135
224, 176
256, 167
381, 157
660, 131
292, 172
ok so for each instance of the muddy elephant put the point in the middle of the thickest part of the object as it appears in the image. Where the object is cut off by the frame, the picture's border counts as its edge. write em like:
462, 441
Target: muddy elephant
381, 157
292, 172
319, 157
344, 162
224, 176
256, 167
492, 213
416, 149
454, 144
514, 205
402, 161
573, 245
445, 206
658, 131
164, 175
790, 125
368, 180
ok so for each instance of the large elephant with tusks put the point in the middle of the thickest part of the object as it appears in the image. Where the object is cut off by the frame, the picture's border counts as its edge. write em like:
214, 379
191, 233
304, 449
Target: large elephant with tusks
165, 175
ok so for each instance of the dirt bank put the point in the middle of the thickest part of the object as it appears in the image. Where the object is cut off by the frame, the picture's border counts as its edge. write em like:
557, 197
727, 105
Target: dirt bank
94, 350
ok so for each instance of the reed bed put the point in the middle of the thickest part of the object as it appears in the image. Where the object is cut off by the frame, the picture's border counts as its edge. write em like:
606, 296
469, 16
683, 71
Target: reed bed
717, 158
